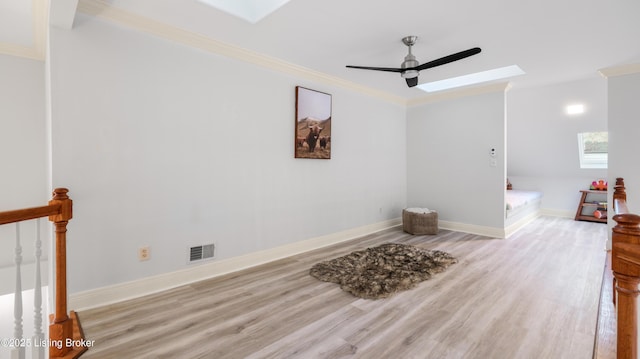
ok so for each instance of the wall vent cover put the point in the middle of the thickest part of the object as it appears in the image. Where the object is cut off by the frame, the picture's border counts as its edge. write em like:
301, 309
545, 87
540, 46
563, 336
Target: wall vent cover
198, 253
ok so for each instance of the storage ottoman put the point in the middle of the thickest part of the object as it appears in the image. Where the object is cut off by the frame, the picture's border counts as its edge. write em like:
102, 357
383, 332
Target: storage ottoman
420, 221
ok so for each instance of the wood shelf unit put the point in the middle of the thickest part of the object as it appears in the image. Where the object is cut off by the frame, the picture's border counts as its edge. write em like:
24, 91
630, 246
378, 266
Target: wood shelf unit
594, 205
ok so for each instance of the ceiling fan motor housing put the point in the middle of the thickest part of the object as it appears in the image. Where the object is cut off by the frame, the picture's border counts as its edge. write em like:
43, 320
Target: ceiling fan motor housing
408, 63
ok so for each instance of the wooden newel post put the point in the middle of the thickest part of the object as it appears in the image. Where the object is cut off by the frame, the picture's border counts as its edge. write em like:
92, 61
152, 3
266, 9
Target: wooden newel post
625, 263
62, 327
627, 289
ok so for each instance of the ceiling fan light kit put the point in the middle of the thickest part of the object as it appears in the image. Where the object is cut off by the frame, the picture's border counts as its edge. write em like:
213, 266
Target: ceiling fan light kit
410, 67
409, 74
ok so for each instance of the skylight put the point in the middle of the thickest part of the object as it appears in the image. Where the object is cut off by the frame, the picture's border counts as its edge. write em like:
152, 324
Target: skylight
472, 79
249, 10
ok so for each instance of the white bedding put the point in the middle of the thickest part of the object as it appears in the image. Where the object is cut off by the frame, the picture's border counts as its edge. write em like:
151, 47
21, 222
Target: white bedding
522, 207
519, 198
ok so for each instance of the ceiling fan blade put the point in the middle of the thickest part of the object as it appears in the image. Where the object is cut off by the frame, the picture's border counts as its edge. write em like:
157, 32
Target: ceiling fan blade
387, 69
412, 81
447, 59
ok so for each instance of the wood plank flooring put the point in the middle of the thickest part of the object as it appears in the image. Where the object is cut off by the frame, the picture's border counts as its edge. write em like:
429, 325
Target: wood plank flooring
533, 295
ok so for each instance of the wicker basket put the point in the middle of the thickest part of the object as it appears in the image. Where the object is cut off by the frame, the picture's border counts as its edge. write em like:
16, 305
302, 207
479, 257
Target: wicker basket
415, 222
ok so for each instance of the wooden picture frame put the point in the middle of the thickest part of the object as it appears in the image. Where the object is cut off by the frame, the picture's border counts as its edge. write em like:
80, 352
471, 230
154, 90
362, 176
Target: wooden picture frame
313, 124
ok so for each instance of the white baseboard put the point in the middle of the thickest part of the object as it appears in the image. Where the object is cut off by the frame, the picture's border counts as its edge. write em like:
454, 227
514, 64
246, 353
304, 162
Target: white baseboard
513, 228
493, 232
129, 290
123, 291
557, 213
562, 213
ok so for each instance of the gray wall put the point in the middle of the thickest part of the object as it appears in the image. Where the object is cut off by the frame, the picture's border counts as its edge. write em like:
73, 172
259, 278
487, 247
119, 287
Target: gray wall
23, 138
624, 129
542, 143
448, 158
169, 146
23, 152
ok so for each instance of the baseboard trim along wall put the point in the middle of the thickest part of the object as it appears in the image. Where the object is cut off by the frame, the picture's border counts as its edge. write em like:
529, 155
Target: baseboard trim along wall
509, 230
493, 232
557, 213
124, 291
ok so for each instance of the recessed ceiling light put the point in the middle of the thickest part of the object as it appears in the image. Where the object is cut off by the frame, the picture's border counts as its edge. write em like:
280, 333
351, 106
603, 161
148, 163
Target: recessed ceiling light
249, 10
472, 79
575, 109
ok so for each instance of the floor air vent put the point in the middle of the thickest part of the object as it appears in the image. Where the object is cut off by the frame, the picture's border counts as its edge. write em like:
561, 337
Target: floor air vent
198, 253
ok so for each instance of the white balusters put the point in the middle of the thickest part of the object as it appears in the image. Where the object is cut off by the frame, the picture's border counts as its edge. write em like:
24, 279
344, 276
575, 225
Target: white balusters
59, 211
18, 351
38, 335
21, 330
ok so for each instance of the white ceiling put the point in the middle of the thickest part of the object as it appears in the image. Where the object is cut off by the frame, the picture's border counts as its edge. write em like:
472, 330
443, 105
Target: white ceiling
552, 41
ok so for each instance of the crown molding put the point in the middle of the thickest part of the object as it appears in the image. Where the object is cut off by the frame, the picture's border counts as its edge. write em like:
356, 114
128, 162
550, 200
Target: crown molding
628, 69
39, 24
103, 10
459, 93
20, 51
40, 27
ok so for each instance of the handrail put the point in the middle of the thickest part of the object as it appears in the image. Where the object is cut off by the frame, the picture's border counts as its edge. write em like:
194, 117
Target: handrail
625, 264
59, 211
26, 214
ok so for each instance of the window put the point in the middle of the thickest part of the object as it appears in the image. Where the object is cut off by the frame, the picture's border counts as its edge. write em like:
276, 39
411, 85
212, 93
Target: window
593, 149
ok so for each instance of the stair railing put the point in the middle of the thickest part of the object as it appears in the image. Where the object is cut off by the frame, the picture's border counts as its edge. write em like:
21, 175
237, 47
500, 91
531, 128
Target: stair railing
625, 264
61, 329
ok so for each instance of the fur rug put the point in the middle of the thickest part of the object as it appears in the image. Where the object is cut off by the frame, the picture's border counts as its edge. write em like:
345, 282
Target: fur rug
380, 271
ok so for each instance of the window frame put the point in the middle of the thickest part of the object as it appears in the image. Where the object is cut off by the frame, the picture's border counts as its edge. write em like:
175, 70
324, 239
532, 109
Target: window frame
592, 160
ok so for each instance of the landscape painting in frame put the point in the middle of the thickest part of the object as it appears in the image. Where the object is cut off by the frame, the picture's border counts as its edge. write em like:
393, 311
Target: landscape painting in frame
313, 124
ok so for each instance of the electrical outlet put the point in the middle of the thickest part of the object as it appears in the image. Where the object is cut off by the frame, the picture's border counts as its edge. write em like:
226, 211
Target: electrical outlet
144, 253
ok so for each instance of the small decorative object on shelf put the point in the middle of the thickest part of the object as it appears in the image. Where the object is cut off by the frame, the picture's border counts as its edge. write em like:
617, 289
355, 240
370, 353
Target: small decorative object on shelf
600, 214
599, 185
509, 186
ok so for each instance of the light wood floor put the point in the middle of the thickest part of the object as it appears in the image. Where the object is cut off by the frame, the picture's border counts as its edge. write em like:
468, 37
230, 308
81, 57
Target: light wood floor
533, 295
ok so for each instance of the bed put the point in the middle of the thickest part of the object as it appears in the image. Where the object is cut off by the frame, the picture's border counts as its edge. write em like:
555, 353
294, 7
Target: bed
521, 206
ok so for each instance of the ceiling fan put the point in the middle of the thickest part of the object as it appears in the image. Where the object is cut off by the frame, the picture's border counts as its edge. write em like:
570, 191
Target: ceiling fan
410, 67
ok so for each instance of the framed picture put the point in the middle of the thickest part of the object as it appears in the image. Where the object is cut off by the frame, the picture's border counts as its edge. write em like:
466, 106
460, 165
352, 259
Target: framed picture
313, 124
